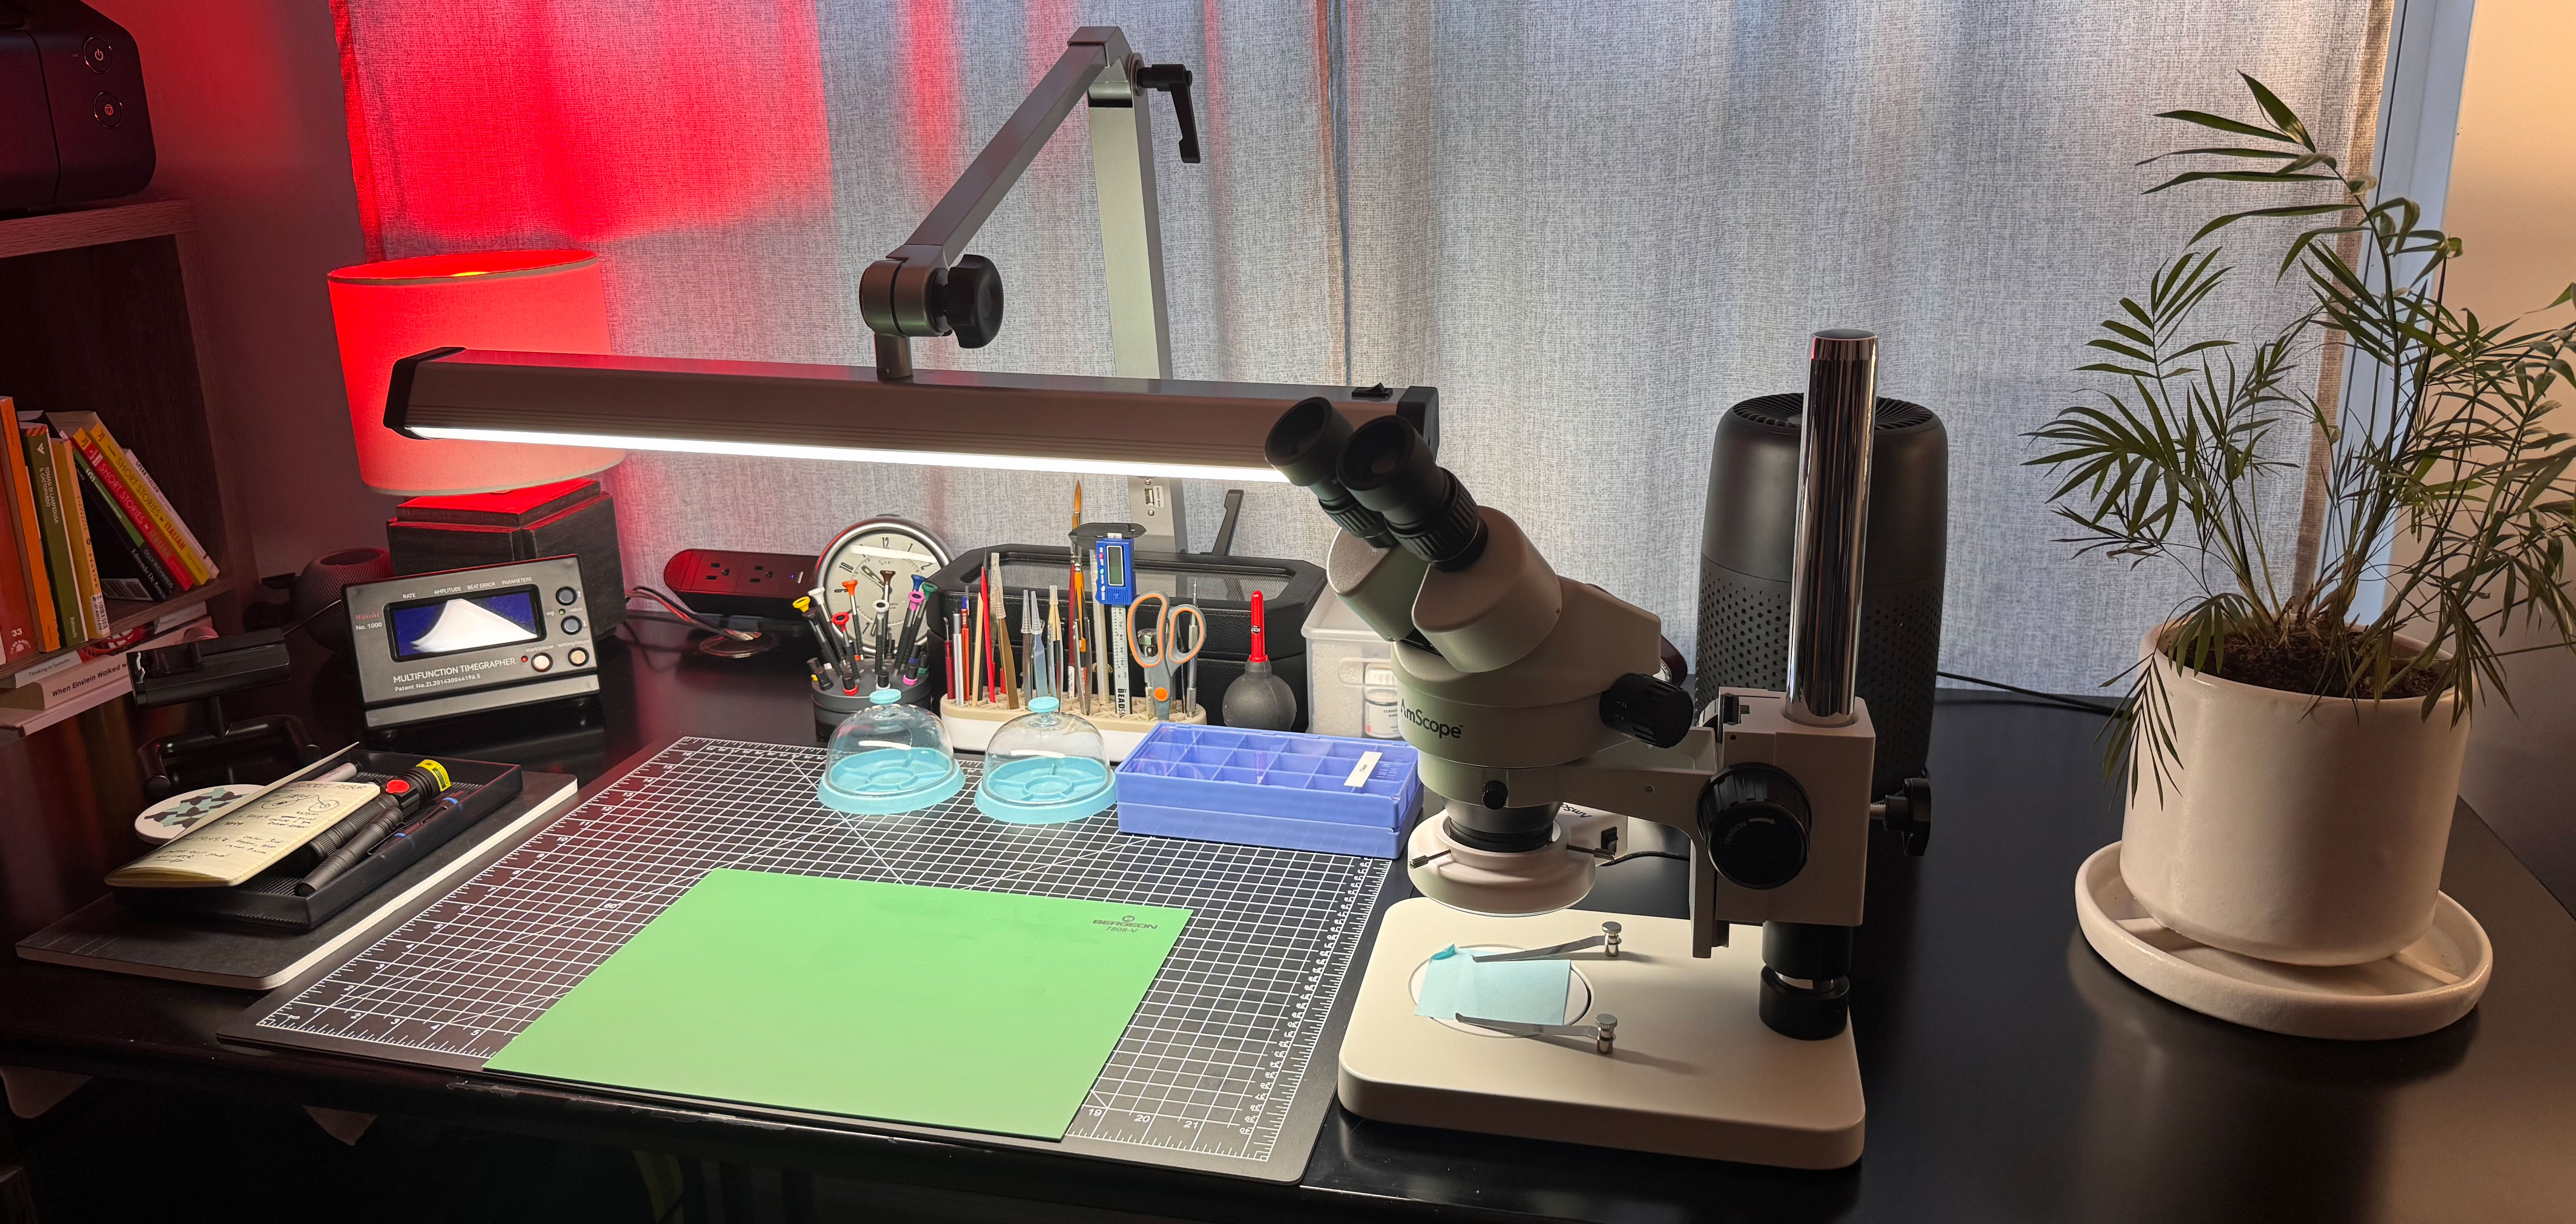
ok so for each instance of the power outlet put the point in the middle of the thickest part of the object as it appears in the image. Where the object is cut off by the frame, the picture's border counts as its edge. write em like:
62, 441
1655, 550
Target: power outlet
719, 582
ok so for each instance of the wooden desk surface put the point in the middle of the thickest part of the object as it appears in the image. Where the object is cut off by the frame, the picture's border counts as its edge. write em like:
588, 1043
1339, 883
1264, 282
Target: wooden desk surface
2011, 1075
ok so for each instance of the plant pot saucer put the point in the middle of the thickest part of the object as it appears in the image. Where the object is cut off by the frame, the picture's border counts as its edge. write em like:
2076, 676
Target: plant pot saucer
2426, 986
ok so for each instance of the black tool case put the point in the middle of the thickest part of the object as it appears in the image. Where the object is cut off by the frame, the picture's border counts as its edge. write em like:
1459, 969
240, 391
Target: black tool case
268, 899
1221, 586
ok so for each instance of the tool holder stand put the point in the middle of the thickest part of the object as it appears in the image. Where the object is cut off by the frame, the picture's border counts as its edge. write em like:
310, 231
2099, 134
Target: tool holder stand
203, 672
220, 739
971, 724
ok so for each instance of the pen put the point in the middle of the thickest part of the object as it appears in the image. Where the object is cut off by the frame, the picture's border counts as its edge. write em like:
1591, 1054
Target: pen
340, 860
403, 831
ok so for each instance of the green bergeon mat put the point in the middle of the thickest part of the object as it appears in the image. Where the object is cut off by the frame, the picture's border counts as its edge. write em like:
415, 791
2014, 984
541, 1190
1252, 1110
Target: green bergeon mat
938, 1006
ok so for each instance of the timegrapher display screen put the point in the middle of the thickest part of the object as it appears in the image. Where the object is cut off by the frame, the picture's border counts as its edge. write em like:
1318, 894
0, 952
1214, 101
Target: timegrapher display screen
425, 627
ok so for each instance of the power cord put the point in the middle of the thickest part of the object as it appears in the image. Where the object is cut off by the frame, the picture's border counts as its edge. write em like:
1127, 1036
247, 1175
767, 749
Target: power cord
291, 630
1638, 854
645, 592
2072, 703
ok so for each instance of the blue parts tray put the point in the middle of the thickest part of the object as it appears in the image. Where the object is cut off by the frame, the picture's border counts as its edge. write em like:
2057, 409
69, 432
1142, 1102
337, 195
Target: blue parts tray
889, 781
1269, 788
1045, 790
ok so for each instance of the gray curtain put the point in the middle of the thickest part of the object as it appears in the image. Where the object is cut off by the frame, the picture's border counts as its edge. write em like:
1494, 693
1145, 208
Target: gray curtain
1597, 226
1592, 226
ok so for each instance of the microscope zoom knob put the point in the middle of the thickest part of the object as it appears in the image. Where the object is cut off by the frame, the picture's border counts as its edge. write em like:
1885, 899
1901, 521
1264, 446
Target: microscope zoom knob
1645, 708
1755, 820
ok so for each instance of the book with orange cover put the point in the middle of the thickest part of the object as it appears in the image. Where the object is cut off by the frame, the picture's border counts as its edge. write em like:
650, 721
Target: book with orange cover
19, 638
76, 426
43, 604
187, 539
185, 556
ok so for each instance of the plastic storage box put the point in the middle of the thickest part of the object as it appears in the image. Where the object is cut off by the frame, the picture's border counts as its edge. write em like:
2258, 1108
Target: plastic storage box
1269, 788
1345, 660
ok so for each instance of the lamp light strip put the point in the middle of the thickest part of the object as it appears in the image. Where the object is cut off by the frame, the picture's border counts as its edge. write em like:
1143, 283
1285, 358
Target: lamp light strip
854, 454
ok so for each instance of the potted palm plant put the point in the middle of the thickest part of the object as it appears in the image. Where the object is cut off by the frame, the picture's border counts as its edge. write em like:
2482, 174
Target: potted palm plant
2292, 736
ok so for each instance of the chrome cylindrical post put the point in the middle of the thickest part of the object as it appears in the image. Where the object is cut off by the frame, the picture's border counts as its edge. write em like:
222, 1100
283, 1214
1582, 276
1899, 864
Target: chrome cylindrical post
1833, 522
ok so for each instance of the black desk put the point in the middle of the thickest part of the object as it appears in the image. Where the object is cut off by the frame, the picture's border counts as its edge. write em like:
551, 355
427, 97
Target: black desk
2011, 1074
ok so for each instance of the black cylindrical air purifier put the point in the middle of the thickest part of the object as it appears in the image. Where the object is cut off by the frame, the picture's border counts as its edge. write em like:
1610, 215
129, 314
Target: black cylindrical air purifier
1747, 547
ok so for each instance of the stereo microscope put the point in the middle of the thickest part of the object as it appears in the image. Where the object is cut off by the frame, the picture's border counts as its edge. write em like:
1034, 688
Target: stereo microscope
1541, 723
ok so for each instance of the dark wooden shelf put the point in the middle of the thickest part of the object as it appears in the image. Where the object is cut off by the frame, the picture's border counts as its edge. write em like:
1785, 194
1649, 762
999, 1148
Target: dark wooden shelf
124, 614
80, 227
95, 306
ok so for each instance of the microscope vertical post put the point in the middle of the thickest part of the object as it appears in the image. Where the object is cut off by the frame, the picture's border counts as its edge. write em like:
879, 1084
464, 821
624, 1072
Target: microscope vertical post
1833, 525
1806, 976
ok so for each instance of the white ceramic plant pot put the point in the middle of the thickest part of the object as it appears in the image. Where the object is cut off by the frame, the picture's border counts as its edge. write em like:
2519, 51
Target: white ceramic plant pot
2296, 829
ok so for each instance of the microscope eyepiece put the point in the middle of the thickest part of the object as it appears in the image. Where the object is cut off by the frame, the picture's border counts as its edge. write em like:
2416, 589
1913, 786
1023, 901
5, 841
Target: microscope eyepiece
1306, 445
1389, 468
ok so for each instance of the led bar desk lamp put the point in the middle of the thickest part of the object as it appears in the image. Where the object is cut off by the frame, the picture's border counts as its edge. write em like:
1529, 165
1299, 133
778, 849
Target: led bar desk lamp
1139, 422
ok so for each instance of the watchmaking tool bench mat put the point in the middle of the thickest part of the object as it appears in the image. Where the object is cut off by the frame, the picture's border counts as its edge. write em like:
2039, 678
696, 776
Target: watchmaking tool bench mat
1227, 1066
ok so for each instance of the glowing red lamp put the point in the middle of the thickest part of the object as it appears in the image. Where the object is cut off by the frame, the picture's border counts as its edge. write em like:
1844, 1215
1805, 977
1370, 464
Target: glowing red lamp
524, 301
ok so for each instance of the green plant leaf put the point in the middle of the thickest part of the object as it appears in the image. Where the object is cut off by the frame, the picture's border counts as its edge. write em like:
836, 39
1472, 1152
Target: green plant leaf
2244, 176
2224, 124
2128, 351
2279, 154
2278, 111
2294, 210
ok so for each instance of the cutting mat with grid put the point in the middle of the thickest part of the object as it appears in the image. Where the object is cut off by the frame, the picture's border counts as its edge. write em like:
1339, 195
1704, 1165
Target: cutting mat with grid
1227, 1066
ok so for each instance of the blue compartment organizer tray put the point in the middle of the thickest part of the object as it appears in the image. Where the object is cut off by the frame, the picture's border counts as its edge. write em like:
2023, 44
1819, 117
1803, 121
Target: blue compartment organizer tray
1269, 788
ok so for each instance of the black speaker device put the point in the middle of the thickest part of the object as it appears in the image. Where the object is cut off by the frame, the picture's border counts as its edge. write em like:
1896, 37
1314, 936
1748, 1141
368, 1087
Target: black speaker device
73, 125
1745, 548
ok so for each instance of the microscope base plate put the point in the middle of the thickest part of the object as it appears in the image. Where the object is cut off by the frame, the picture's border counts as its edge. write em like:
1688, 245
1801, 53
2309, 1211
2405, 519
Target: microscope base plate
1694, 1071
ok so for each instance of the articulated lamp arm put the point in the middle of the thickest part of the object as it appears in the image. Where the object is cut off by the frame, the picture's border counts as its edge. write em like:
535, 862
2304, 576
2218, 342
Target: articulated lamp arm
929, 286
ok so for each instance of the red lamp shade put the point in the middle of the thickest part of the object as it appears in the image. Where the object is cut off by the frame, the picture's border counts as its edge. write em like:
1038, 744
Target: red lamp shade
524, 301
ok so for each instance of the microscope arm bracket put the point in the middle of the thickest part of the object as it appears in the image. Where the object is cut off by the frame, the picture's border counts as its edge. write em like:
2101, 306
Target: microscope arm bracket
1642, 782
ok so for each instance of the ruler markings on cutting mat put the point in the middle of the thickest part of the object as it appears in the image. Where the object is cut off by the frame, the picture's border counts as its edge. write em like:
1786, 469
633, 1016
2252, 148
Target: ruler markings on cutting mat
1220, 1049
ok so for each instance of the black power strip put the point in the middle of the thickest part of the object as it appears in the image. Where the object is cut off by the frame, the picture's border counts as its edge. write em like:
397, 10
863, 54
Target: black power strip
720, 582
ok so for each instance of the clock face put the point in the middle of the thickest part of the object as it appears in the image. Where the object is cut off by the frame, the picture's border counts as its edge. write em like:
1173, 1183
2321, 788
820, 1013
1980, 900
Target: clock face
864, 564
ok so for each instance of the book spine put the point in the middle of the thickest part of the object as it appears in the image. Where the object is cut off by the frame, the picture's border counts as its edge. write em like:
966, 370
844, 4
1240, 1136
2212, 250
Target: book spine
83, 551
112, 680
18, 635
187, 539
95, 460
52, 527
130, 545
164, 519
48, 604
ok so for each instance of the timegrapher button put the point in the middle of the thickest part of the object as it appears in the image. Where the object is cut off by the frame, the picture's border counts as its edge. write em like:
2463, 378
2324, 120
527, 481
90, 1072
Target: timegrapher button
577, 656
565, 595
542, 662
572, 624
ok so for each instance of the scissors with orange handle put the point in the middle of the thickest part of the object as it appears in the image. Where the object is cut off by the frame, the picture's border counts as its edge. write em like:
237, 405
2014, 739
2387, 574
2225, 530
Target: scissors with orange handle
1163, 632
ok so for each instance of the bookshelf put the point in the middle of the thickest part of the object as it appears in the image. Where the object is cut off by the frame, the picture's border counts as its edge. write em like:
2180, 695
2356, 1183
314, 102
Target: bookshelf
95, 303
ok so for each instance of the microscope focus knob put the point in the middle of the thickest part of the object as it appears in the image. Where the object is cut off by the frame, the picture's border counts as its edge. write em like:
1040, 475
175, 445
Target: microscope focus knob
1645, 708
1755, 819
